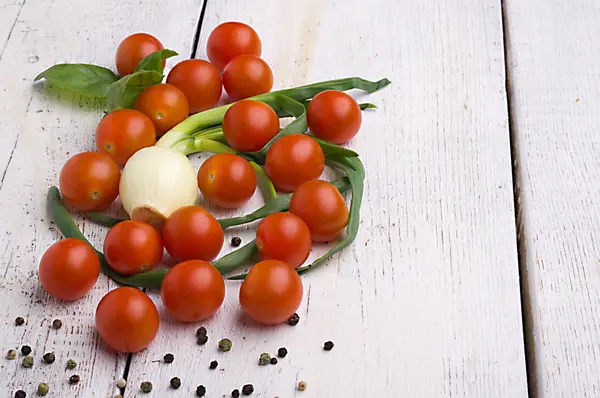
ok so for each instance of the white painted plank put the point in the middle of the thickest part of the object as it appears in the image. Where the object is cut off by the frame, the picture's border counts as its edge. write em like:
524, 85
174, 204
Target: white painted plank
426, 302
40, 127
554, 59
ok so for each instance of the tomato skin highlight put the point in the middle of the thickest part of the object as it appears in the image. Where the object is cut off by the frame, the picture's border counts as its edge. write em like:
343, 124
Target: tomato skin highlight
334, 116
229, 40
192, 290
69, 269
127, 320
123, 132
246, 76
133, 49
284, 237
165, 105
227, 180
271, 292
89, 181
293, 160
200, 81
192, 233
249, 125
131, 247
322, 208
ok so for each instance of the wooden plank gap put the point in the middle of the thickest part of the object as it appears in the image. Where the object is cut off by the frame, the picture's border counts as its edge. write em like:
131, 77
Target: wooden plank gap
198, 29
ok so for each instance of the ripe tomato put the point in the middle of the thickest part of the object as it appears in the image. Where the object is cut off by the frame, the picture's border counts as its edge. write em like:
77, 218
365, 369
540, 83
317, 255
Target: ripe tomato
192, 233
123, 132
192, 291
164, 104
131, 247
69, 269
89, 181
271, 292
127, 320
246, 76
133, 49
292, 160
322, 208
248, 125
199, 80
229, 40
227, 180
284, 237
334, 116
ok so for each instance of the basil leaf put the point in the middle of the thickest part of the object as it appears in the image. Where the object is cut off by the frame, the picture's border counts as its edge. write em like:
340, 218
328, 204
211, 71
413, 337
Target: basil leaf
84, 79
122, 93
155, 60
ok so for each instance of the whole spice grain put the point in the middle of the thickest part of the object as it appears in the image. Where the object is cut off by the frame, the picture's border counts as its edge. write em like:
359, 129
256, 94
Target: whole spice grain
57, 324
175, 382
274, 361
11, 354
203, 339
294, 319
201, 331
169, 358
71, 364
225, 345
264, 359
43, 389
146, 386
49, 357
20, 394
302, 386
235, 393
213, 365
19, 320
247, 389
236, 241
328, 346
200, 391
121, 383
74, 379
27, 362
282, 352
25, 350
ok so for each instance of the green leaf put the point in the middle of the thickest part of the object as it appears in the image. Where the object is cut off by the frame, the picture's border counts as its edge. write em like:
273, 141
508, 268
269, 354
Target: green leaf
84, 79
155, 60
122, 93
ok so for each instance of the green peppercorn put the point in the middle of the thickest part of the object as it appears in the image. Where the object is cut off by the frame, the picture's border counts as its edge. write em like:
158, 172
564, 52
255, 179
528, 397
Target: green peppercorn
247, 389
71, 364
11, 354
203, 339
264, 359
302, 386
236, 241
25, 350
225, 345
294, 319
274, 361
19, 320
49, 357
169, 358
20, 394
328, 346
43, 389
74, 379
175, 382
57, 324
235, 393
282, 352
213, 365
146, 386
200, 391
27, 362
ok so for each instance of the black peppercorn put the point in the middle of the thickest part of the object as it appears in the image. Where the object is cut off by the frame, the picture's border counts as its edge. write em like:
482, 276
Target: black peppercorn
294, 319
213, 365
328, 345
274, 361
146, 386
203, 339
201, 331
57, 324
20, 394
175, 382
247, 389
282, 352
49, 357
19, 321
235, 393
25, 350
200, 391
236, 241
74, 379
169, 358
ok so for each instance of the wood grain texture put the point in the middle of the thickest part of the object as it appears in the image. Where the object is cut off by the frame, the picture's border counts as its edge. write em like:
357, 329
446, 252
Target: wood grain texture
40, 127
554, 50
426, 302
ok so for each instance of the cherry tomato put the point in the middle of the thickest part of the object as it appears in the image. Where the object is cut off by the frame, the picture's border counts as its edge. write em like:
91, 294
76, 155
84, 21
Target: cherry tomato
199, 80
133, 49
227, 180
248, 125
322, 208
229, 40
271, 292
334, 116
127, 320
164, 104
123, 132
192, 291
192, 233
284, 237
292, 160
246, 76
131, 247
89, 181
69, 269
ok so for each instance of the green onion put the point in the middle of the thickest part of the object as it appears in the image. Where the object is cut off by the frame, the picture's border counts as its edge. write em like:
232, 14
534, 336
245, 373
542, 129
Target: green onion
265, 184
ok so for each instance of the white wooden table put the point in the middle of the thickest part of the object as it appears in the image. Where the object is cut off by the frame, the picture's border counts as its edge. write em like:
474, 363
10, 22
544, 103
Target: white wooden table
476, 271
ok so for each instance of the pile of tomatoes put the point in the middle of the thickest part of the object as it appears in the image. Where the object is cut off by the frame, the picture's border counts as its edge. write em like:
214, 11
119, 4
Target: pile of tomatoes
193, 289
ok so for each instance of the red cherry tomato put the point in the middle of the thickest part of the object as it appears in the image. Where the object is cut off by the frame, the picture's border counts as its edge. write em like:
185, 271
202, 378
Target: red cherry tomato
322, 208
229, 40
246, 76
334, 116
284, 237
131, 247
271, 292
192, 233
227, 180
192, 291
69, 269
89, 181
123, 132
127, 320
292, 160
133, 49
164, 104
200, 81
248, 125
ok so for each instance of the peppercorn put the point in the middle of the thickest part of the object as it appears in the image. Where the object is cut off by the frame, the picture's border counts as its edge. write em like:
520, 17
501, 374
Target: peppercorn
169, 358
200, 391
27, 362
19, 320
20, 394
247, 389
282, 352
43, 389
121, 383
175, 383
225, 345
71, 364
11, 354
213, 365
201, 331
294, 319
202, 339
57, 324
274, 361
235, 393
264, 359
49, 358
236, 241
74, 379
25, 350
146, 386
118, 396
328, 345
302, 386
